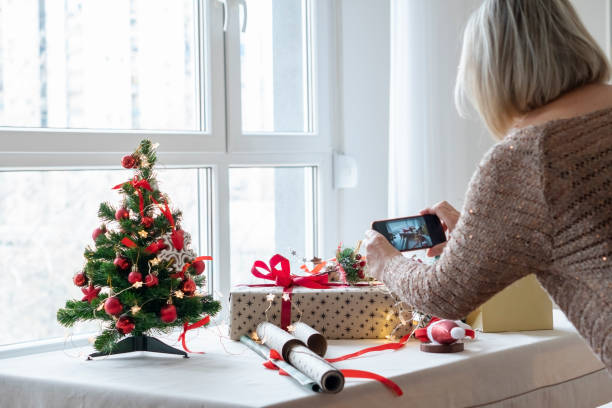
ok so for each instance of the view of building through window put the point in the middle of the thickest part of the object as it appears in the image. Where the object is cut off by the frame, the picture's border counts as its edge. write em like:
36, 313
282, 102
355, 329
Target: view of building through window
274, 59
271, 211
119, 64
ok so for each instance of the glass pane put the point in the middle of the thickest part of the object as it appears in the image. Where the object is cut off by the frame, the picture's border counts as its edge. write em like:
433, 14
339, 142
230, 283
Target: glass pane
271, 211
46, 221
274, 60
106, 64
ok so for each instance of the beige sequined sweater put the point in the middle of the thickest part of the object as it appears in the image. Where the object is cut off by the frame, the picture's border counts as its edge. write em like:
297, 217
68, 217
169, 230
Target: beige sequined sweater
540, 202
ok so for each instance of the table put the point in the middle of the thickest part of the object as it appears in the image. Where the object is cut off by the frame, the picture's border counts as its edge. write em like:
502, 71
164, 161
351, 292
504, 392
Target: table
538, 368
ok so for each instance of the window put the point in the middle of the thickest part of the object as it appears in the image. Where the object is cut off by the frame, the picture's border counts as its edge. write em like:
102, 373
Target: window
243, 118
62, 65
272, 210
274, 55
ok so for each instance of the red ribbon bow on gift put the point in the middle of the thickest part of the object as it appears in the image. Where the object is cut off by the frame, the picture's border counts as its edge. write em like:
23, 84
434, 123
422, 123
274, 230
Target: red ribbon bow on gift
282, 277
137, 184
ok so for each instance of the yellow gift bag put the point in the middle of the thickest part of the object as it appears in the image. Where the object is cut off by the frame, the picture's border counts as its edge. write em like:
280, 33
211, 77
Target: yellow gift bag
524, 305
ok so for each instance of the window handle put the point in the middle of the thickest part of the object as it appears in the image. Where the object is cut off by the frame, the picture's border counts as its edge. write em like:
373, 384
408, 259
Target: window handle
242, 3
224, 2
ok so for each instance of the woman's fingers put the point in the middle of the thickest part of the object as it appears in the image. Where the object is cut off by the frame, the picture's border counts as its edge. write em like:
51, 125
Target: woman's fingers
436, 250
378, 252
446, 212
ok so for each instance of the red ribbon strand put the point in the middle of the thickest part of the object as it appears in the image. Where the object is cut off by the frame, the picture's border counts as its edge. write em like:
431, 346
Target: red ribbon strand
387, 346
373, 376
128, 243
166, 211
187, 327
137, 184
181, 274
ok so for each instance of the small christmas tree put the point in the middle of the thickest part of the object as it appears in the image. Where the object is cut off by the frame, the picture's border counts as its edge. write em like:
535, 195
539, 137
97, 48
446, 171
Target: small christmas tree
142, 275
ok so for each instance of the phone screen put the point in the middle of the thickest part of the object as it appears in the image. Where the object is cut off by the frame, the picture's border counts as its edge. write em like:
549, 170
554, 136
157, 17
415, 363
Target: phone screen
412, 233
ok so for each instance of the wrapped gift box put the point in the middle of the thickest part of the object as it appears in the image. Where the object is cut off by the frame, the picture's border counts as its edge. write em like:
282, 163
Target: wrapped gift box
524, 305
354, 312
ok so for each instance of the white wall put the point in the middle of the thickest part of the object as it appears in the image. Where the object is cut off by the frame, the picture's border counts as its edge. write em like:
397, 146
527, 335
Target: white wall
363, 46
595, 15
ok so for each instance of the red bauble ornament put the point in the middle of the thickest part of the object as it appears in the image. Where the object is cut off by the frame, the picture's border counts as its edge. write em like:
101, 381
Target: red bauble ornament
128, 161
151, 280
80, 279
113, 306
198, 267
167, 314
361, 274
121, 263
188, 287
134, 276
362, 264
125, 324
98, 231
90, 293
147, 221
178, 239
122, 213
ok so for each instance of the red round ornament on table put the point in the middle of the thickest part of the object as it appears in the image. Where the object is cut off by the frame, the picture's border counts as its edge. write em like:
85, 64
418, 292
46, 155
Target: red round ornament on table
125, 325
147, 221
113, 306
198, 267
122, 213
128, 161
80, 279
151, 280
98, 231
188, 287
168, 313
134, 277
121, 263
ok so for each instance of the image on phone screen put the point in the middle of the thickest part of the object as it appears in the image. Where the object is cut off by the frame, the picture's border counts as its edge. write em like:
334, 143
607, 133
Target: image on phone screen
411, 233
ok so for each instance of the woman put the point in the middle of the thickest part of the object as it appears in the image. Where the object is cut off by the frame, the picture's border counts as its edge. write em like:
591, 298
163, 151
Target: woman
541, 199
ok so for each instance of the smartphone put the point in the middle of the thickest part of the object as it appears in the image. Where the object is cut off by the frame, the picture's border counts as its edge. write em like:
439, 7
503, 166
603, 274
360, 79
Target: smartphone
412, 233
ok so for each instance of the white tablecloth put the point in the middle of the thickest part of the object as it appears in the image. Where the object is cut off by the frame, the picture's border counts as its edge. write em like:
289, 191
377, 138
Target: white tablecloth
540, 368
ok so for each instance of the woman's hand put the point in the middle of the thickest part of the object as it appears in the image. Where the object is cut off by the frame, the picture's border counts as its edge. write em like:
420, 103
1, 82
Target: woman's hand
378, 252
449, 217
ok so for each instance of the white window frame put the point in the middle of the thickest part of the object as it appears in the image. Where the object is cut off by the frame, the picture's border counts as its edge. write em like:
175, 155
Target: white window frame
219, 147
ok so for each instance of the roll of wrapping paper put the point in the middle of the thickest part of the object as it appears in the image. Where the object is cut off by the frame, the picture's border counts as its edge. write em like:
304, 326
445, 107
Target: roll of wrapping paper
313, 339
264, 352
299, 356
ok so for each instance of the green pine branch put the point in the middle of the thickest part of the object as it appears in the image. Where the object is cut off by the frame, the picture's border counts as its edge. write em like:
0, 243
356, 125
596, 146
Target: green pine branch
106, 341
106, 212
76, 311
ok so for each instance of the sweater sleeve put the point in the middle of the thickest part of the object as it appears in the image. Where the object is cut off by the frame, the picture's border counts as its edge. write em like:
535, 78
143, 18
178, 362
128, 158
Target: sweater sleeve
501, 236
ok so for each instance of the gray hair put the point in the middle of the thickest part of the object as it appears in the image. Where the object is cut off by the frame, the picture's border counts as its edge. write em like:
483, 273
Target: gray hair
519, 55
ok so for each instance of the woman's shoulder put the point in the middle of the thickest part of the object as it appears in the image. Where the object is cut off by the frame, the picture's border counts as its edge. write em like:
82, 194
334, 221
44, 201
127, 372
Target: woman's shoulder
554, 136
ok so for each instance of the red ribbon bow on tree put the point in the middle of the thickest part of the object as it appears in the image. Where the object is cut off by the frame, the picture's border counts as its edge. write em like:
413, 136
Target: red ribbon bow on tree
137, 184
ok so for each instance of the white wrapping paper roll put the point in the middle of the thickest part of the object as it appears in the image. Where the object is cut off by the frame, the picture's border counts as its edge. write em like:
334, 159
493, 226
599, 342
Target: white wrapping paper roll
277, 339
314, 340
299, 356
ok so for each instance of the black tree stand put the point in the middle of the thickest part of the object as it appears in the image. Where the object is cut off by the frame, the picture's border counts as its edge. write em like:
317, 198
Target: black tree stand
140, 343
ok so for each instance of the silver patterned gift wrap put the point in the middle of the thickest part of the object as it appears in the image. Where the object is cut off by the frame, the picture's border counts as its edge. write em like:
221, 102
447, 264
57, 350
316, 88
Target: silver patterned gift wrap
353, 312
